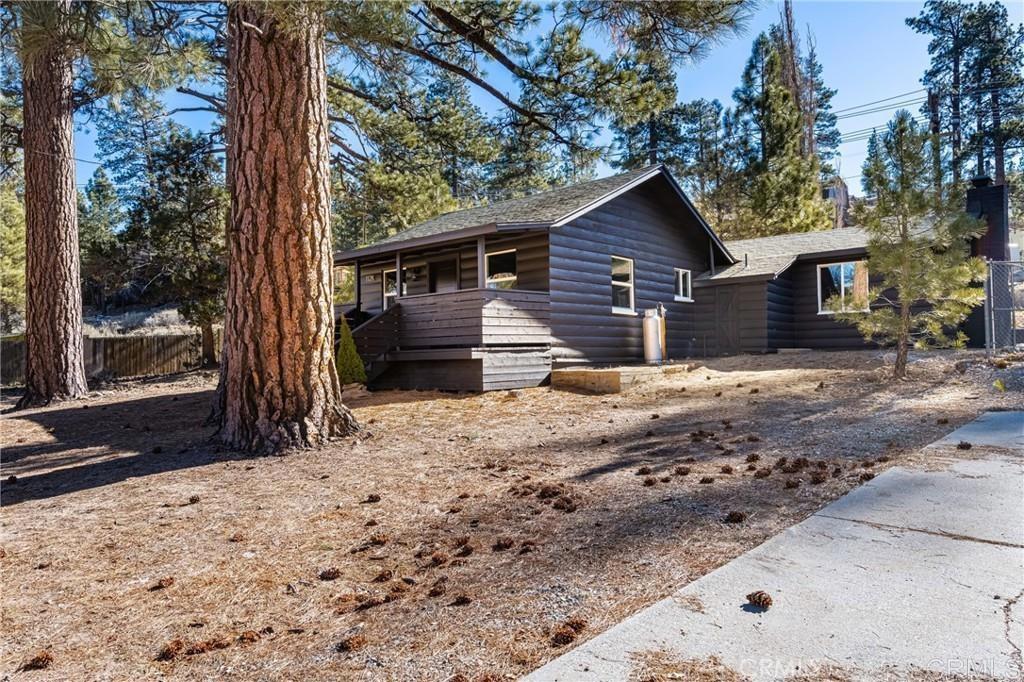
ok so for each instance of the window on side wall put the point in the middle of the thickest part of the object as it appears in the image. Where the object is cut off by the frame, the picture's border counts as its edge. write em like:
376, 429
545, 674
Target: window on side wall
683, 285
622, 286
502, 272
843, 287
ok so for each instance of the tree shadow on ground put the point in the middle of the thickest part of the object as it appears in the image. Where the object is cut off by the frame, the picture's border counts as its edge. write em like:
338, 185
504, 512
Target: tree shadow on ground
97, 445
671, 439
393, 396
93, 445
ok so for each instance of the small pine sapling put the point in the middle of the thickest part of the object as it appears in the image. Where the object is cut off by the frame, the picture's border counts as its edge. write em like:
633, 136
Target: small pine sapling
349, 364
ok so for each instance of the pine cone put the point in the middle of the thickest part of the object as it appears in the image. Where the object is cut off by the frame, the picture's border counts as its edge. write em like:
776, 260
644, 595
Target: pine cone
760, 599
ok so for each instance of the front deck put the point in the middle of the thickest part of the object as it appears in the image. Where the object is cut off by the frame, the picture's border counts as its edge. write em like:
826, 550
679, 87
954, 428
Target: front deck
469, 339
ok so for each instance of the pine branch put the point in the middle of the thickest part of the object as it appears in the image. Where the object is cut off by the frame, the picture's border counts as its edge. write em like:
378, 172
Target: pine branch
219, 105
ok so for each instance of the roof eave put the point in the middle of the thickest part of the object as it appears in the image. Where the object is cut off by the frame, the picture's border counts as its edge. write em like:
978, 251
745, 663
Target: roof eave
738, 279
712, 280
833, 253
352, 255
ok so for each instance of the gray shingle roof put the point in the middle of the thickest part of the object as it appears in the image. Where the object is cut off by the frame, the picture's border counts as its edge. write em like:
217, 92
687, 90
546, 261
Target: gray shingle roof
754, 267
799, 243
769, 256
541, 208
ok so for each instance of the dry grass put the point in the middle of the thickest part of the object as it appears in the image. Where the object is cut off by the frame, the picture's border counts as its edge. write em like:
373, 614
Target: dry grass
96, 517
659, 666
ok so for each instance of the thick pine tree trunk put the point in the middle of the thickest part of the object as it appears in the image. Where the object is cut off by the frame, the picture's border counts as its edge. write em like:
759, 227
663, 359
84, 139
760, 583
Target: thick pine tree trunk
652, 141
998, 142
209, 352
54, 368
979, 126
957, 123
902, 341
279, 387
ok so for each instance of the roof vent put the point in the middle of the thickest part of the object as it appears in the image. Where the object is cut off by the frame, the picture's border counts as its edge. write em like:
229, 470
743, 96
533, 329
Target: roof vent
981, 181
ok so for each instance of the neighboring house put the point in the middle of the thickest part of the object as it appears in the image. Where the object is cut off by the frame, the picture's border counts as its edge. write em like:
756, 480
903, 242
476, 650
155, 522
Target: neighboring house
495, 296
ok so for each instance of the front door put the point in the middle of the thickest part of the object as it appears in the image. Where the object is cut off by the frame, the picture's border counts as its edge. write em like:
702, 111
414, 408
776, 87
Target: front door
444, 276
727, 323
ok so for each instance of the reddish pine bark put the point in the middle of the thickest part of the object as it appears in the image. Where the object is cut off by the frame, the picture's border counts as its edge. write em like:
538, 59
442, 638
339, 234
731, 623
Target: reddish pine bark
209, 351
54, 368
279, 387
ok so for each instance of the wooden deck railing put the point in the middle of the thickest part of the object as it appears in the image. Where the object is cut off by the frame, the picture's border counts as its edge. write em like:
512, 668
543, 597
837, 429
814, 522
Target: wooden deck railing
475, 317
465, 318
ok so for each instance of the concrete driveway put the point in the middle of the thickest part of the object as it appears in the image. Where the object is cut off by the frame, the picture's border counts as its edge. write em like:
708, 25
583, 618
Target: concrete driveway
918, 573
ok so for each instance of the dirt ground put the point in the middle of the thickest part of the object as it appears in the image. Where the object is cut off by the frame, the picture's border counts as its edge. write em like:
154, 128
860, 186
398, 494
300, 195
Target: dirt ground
468, 537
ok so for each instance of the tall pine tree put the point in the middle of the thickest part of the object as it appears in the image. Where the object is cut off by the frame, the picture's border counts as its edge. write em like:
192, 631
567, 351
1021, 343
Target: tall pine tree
917, 247
709, 167
100, 221
818, 114
947, 22
783, 193
996, 63
186, 213
71, 55
650, 132
12, 258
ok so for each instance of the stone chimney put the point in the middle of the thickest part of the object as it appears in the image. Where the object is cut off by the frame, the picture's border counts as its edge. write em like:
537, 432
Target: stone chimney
991, 203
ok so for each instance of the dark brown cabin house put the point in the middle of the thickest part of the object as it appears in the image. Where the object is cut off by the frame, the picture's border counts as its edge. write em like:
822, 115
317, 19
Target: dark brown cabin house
493, 297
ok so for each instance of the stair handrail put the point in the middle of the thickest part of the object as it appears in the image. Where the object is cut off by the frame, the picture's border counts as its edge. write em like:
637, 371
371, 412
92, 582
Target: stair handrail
375, 351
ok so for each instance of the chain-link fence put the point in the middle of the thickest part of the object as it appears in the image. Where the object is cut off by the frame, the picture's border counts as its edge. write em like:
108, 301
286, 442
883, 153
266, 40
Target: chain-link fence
1004, 306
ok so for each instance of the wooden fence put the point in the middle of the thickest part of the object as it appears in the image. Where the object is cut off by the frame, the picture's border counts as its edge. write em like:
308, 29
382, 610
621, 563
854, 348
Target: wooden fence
117, 356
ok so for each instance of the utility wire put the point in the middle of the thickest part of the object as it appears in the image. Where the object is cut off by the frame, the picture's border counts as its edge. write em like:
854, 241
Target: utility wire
845, 138
878, 101
876, 110
59, 156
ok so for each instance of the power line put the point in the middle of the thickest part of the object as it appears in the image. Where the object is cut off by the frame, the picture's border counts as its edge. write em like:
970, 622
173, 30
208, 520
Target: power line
920, 100
862, 111
878, 101
58, 156
845, 138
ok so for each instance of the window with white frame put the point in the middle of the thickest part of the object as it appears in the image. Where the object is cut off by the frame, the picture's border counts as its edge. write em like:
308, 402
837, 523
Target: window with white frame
622, 285
389, 287
683, 284
501, 270
843, 287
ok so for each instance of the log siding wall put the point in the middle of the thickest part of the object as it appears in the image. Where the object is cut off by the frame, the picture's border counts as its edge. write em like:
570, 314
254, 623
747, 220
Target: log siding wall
811, 330
647, 225
748, 318
780, 313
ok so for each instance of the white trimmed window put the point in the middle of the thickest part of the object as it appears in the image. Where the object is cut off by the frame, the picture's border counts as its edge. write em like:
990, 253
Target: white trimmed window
684, 292
843, 287
502, 272
622, 286
389, 287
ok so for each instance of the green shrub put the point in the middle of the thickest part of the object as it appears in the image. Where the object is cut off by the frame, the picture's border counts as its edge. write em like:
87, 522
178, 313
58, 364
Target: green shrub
349, 364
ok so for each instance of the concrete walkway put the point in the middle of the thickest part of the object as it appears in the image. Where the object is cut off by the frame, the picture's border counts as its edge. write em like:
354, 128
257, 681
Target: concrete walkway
914, 571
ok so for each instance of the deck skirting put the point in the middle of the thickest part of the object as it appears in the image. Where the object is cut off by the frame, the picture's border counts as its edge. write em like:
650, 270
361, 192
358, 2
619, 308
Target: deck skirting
467, 369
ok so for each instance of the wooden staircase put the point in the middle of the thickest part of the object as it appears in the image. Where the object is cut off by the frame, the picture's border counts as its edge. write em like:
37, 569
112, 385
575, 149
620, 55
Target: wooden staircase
374, 338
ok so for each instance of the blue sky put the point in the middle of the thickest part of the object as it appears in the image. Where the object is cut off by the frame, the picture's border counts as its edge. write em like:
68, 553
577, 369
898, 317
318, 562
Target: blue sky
866, 50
